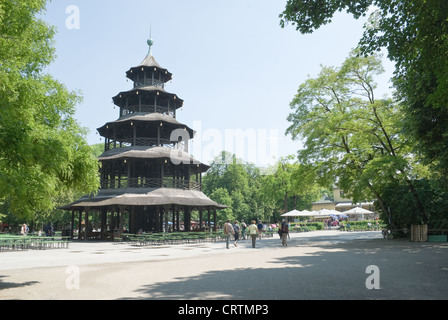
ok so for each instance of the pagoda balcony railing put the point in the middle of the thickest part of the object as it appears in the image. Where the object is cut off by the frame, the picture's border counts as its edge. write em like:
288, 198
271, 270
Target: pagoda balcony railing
149, 83
129, 142
148, 108
145, 142
122, 183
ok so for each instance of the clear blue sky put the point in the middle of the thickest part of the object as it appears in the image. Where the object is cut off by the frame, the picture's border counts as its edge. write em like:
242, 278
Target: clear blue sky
233, 65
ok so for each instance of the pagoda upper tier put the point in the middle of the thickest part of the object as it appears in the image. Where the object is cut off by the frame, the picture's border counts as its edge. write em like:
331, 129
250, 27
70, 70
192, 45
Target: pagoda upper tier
147, 111
149, 73
148, 94
149, 99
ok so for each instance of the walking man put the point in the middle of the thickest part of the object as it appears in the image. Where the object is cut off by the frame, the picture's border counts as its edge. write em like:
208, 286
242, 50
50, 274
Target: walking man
260, 228
253, 232
285, 233
236, 229
243, 230
228, 230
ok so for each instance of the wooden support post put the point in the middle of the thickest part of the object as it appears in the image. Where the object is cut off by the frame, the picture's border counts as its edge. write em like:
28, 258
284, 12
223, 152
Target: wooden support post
86, 231
174, 217
72, 224
80, 224
162, 211
208, 219
187, 218
157, 226
103, 223
120, 220
115, 137
177, 219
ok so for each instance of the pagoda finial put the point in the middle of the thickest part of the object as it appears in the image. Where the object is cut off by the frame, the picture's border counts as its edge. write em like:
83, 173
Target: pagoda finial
150, 42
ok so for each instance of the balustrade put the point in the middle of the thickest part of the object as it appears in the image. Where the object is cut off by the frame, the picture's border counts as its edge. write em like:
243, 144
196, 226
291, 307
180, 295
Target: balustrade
146, 142
149, 83
148, 108
121, 183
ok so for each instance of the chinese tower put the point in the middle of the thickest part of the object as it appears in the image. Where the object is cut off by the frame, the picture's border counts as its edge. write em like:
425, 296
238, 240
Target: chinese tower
149, 182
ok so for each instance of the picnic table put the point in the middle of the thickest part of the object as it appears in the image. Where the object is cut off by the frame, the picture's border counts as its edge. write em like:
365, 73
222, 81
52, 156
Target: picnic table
14, 242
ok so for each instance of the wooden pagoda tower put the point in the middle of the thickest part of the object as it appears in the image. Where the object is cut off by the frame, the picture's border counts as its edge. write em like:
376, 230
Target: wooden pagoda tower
149, 182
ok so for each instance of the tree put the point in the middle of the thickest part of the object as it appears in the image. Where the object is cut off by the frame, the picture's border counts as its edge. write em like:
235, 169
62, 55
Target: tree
415, 36
43, 151
241, 181
290, 186
221, 195
351, 137
400, 201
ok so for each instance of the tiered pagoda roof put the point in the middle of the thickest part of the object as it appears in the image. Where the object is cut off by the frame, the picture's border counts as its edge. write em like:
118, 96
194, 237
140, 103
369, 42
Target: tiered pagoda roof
142, 164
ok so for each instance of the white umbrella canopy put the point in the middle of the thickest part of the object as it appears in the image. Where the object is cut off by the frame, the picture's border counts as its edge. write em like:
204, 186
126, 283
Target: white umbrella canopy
325, 212
322, 213
293, 213
357, 210
338, 214
296, 213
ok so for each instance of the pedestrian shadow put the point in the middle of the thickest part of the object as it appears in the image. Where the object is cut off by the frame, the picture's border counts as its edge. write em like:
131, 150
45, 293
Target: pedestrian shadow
332, 272
10, 285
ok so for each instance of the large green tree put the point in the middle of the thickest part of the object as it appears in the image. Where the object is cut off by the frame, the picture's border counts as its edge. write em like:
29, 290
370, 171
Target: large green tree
253, 195
238, 179
43, 151
414, 32
238, 183
290, 185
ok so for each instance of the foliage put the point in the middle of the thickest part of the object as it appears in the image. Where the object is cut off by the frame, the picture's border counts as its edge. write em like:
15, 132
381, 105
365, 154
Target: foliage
403, 213
364, 225
350, 137
291, 184
251, 195
306, 226
43, 152
97, 149
415, 36
235, 182
221, 195
307, 16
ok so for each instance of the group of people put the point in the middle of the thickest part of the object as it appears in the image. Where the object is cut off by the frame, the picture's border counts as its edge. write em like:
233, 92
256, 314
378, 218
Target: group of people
234, 229
48, 230
254, 230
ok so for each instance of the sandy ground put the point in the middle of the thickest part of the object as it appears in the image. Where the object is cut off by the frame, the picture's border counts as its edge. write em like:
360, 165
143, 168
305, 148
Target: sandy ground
329, 265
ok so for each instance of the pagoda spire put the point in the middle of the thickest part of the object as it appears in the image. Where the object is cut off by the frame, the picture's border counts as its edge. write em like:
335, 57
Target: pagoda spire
150, 43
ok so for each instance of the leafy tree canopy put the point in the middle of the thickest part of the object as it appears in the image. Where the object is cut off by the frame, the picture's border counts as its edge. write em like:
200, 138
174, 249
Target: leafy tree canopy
43, 152
415, 36
252, 195
350, 137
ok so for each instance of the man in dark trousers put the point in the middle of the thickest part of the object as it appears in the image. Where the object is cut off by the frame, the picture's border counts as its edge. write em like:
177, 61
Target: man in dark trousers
285, 232
260, 228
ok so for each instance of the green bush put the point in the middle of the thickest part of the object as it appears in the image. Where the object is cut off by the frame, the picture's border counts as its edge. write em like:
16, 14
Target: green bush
307, 226
364, 225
